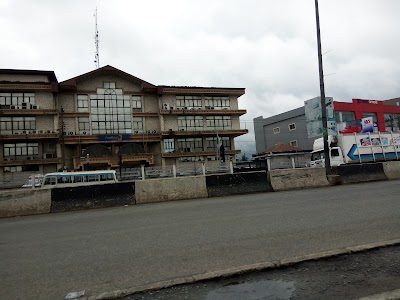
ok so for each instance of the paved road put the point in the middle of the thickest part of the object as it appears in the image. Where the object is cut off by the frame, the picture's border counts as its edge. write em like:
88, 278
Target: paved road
48, 256
345, 277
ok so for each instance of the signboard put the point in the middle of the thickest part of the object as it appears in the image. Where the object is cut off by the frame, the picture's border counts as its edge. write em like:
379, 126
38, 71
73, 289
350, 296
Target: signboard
113, 137
313, 114
357, 126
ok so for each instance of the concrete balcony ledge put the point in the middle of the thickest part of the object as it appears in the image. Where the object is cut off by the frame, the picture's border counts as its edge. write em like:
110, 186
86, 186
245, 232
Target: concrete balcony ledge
30, 136
30, 112
233, 132
113, 160
15, 162
203, 111
198, 153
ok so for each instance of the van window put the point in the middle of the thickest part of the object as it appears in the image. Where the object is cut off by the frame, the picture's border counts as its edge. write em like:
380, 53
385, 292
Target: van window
335, 152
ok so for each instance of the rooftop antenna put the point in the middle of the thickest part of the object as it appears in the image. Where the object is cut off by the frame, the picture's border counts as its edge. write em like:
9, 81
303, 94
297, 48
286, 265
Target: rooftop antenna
96, 42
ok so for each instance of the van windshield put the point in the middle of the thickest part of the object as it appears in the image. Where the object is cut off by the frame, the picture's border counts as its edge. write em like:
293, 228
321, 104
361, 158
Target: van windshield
317, 155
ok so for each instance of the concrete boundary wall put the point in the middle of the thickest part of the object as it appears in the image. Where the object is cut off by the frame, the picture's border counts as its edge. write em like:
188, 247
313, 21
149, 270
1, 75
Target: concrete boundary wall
392, 169
361, 172
92, 196
24, 202
290, 179
169, 189
237, 183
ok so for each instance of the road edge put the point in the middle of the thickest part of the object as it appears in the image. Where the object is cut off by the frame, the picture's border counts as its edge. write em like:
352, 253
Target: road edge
240, 270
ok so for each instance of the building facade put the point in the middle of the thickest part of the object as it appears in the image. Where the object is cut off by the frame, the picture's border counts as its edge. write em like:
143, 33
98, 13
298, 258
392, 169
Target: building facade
290, 127
108, 118
286, 128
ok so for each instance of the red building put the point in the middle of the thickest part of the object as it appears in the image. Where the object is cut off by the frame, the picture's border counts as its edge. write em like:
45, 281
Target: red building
385, 116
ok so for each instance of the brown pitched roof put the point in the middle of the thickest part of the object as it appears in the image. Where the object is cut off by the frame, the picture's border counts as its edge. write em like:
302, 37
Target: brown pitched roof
281, 148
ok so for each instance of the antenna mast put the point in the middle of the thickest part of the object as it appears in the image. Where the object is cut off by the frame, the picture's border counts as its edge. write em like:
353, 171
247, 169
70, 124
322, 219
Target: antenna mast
96, 42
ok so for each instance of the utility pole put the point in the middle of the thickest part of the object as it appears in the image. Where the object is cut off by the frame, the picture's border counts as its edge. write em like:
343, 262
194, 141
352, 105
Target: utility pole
323, 104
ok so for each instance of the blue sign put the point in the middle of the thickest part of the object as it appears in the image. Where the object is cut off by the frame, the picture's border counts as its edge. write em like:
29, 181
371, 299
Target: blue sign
113, 137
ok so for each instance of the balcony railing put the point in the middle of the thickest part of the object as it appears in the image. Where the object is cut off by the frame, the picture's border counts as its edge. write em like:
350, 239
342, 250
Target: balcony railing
33, 161
202, 111
27, 112
29, 136
232, 132
113, 160
198, 153
76, 138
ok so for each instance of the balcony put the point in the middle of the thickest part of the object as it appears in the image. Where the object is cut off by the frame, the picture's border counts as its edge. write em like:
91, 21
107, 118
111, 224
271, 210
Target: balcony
33, 161
27, 112
225, 132
73, 138
29, 136
113, 161
203, 111
199, 153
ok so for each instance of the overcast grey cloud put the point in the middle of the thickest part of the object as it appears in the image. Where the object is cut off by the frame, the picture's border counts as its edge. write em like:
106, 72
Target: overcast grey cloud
268, 47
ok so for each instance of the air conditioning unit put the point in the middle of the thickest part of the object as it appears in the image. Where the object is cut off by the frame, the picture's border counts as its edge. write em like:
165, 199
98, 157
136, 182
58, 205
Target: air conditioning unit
13, 107
172, 107
25, 132
185, 107
48, 131
41, 131
34, 132
182, 129
64, 133
24, 105
35, 106
84, 132
148, 131
154, 131
166, 106
71, 133
136, 131
48, 155
208, 107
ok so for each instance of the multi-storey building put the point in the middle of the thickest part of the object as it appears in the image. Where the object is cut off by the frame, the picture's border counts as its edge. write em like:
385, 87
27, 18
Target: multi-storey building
108, 118
28, 121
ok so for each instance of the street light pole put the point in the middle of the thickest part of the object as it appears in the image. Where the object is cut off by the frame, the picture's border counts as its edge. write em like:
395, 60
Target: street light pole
323, 102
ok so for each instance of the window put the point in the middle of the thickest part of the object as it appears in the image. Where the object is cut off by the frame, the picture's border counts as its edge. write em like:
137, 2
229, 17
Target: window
344, 116
12, 125
7, 99
83, 103
190, 145
370, 114
219, 122
392, 122
211, 143
111, 112
188, 101
292, 126
190, 123
83, 125
169, 145
136, 103
21, 150
137, 123
217, 102
276, 130
293, 143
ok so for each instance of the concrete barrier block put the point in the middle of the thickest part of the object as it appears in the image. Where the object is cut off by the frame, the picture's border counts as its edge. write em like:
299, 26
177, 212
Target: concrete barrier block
361, 172
92, 196
392, 169
169, 189
237, 183
24, 202
290, 179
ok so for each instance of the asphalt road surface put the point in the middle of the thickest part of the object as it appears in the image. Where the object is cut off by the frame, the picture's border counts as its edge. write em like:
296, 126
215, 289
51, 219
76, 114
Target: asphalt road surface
48, 256
345, 277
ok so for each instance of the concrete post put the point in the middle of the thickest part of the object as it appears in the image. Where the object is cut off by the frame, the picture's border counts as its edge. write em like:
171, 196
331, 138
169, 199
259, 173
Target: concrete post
174, 170
269, 163
203, 167
293, 164
231, 167
142, 168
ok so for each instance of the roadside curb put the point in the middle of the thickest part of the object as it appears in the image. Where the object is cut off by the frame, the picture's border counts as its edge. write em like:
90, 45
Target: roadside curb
240, 270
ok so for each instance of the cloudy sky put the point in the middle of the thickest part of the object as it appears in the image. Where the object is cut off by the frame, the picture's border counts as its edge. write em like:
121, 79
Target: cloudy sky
268, 47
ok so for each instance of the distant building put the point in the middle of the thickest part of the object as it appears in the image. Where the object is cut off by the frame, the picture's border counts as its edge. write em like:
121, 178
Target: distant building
285, 128
107, 118
290, 128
